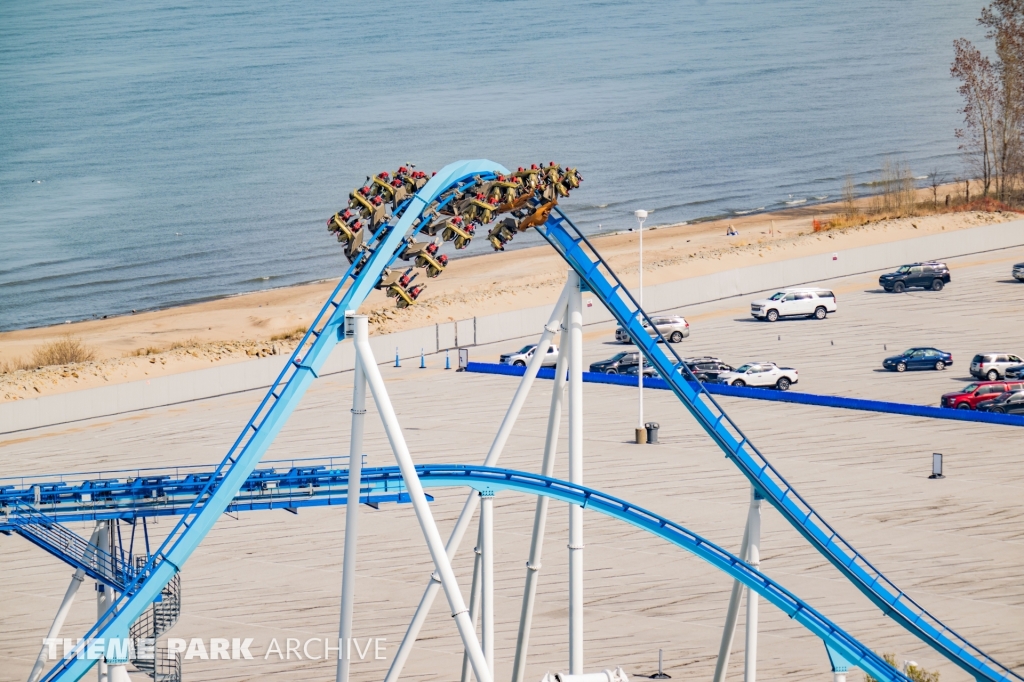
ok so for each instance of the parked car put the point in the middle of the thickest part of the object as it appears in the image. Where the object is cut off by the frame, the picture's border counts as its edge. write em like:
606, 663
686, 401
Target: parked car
617, 363
1018, 272
1015, 372
760, 374
633, 370
674, 329
1011, 402
971, 395
707, 368
815, 303
918, 358
930, 275
993, 366
523, 355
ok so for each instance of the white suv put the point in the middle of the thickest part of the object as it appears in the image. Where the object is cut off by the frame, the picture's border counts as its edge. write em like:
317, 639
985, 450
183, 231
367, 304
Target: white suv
815, 303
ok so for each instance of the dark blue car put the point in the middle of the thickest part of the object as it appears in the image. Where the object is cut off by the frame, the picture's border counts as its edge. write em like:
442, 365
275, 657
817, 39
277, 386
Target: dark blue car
918, 358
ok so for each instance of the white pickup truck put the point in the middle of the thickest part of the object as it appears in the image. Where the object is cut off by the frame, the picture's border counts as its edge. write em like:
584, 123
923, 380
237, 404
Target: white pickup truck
761, 374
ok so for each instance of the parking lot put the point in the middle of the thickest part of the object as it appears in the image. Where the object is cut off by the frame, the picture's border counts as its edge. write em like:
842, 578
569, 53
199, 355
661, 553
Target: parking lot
981, 310
955, 545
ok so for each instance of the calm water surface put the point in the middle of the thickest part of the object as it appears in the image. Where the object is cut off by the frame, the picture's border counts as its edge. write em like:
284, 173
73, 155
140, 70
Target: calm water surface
155, 154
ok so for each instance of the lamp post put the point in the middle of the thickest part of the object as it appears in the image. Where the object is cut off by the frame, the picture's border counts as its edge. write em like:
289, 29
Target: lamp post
641, 434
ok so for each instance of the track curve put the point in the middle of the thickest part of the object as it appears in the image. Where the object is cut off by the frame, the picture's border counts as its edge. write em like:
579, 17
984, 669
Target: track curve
409, 216
493, 479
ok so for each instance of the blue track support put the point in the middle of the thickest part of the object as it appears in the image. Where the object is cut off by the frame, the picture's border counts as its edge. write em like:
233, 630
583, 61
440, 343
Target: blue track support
325, 332
574, 247
772, 395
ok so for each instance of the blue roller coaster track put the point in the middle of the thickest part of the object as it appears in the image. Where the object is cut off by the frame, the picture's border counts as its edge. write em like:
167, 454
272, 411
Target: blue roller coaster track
384, 247
127, 498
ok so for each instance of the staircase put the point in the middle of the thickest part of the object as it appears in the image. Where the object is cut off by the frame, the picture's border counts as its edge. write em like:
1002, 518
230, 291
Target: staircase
155, 621
115, 570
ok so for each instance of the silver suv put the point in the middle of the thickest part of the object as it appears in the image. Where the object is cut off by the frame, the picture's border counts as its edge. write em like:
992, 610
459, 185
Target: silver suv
993, 366
674, 328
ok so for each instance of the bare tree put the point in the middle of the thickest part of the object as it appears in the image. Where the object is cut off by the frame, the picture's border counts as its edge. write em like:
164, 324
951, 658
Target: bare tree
979, 86
849, 199
1004, 20
993, 95
935, 180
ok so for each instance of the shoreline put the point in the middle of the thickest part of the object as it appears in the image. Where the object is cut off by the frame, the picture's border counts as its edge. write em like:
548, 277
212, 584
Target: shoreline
256, 324
777, 213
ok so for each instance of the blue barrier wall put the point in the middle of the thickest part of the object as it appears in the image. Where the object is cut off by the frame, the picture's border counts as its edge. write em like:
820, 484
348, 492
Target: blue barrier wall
778, 396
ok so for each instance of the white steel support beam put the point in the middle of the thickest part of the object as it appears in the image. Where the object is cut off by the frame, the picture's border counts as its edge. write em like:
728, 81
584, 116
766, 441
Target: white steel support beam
469, 508
729, 632
418, 498
575, 316
104, 595
487, 577
540, 515
738, 590
65, 605
355, 480
754, 559
474, 599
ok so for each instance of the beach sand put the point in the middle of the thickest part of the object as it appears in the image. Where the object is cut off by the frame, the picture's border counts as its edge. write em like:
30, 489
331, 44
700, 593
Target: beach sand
237, 328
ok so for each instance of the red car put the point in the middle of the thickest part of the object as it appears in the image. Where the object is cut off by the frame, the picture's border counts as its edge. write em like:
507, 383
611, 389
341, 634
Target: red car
972, 394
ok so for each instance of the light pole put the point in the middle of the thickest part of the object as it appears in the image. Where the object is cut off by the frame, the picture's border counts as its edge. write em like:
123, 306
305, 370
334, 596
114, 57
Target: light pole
641, 434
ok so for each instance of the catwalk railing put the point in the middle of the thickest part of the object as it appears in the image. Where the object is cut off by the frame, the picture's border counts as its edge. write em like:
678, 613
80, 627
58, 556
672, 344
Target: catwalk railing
114, 570
128, 494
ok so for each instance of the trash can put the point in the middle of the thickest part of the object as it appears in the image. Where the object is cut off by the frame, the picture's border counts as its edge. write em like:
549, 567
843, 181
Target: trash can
652, 432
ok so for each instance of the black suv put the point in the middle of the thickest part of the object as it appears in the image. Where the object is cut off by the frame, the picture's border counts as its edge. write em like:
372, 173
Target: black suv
616, 364
706, 368
929, 275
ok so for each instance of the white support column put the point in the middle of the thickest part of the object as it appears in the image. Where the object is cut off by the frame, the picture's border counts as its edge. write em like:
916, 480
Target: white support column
725, 649
540, 515
751, 535
487, 577
355, 480
474, 599
103, 598
460, 613
469, 508
575, 474
754, 559
65, 605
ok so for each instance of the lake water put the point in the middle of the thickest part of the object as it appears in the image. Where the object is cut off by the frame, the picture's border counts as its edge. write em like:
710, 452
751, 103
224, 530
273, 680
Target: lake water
155, 154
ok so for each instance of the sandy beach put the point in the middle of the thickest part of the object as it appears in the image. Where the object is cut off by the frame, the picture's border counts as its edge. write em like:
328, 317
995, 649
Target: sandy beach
237, 328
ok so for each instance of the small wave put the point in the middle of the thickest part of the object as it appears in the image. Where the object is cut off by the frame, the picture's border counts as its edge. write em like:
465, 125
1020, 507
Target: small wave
748, 211
921, 177
795, 202
821, 198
